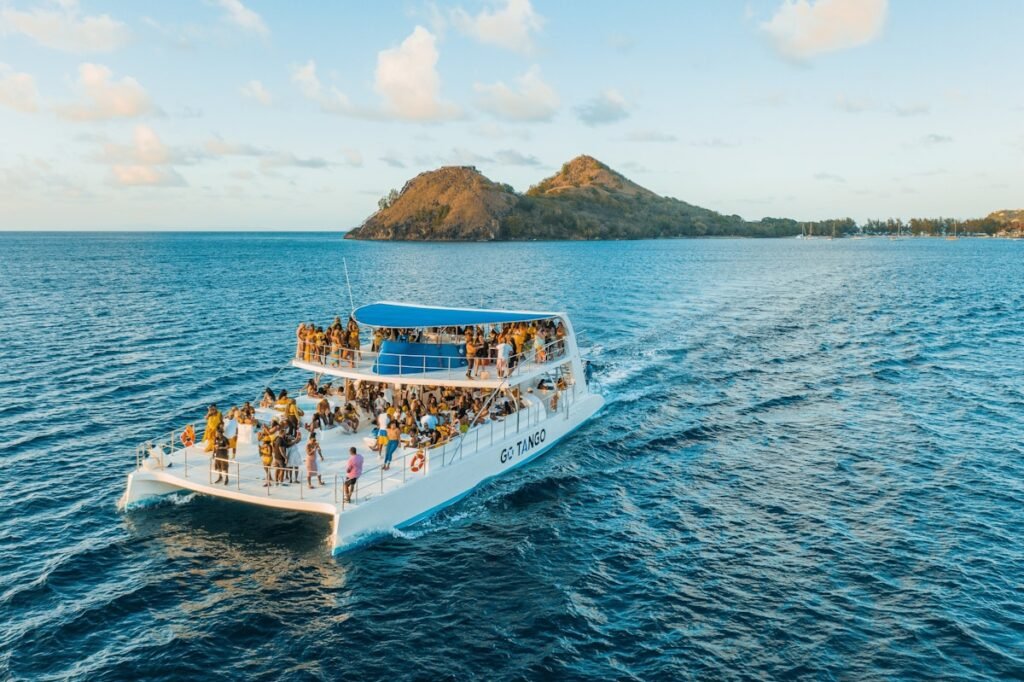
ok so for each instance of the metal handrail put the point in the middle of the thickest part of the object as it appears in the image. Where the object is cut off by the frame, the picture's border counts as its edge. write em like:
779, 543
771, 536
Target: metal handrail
473, 423
408, 364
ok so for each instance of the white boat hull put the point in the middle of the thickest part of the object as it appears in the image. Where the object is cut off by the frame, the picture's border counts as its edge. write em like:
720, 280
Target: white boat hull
446, 486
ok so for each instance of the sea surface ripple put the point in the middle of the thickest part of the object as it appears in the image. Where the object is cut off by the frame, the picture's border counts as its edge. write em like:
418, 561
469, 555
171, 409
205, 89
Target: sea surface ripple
810, 467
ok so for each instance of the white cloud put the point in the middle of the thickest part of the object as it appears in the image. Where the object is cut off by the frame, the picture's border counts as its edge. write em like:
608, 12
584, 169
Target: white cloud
800, 29
256, 90
608, 107
243, 17
332, 102
146, 149
64, 28
35, 175
17, 90
104, 99
511, 27
146, 176
408, 81
146, 161
532, 100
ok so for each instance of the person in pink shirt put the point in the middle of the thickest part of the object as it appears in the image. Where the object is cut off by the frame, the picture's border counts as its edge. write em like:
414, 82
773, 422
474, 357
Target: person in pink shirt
353, 470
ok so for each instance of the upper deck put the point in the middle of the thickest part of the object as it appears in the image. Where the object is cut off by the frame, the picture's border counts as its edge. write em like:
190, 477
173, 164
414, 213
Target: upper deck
424, 345
416, 369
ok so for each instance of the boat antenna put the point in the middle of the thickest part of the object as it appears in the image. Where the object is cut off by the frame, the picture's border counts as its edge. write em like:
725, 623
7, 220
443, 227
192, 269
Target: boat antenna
348, 284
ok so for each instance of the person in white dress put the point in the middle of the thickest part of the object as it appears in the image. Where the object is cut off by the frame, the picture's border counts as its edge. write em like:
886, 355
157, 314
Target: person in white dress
231, 431
504, 351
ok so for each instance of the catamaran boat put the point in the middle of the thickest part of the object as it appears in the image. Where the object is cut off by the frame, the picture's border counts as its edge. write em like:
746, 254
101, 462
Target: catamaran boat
538, 397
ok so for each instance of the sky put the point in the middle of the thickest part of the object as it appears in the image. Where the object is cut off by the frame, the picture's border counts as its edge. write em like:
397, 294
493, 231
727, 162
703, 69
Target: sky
259, 115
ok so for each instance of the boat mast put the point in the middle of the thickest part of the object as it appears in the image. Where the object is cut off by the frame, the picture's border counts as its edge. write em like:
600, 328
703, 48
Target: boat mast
351, 300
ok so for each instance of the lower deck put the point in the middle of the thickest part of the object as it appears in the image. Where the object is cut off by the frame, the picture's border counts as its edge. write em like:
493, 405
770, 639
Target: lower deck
246, 479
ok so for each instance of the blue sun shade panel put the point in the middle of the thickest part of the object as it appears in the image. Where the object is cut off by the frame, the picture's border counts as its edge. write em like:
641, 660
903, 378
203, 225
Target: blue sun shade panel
403, 357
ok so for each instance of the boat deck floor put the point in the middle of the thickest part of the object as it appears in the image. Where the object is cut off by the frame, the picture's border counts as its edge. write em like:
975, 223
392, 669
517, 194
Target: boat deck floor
246, 474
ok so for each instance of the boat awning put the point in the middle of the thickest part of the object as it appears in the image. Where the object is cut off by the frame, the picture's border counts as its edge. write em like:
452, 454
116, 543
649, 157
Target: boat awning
415, 316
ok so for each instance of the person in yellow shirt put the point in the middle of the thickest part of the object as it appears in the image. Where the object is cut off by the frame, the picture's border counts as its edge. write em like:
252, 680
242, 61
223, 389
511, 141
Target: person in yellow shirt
519, 339
213, 420
353, 341
300, 340
309, 337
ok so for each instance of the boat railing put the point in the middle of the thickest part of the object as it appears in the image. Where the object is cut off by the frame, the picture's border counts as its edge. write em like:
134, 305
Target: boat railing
404, 364
255, 476
255, 479
164, 446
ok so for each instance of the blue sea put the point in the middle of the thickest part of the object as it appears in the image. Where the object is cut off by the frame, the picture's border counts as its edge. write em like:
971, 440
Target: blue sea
810, 466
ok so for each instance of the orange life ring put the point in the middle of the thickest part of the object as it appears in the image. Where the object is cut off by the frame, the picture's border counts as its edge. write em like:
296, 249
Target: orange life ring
188, 436
419, 460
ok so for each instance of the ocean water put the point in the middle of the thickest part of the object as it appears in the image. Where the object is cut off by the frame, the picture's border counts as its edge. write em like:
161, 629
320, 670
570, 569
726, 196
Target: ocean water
810, 467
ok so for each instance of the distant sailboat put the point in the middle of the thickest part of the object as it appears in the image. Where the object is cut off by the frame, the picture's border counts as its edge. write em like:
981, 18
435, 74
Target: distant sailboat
954, 237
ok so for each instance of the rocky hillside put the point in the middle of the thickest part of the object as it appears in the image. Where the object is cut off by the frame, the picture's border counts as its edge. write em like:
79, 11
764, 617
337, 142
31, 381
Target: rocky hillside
586, 172
454, 203
1014, 217
585, 200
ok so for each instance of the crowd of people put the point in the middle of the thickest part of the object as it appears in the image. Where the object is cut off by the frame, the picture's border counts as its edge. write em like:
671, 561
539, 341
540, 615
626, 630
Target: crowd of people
502, 346
221, 435
280, 440
332, 346
423, 415
414, 416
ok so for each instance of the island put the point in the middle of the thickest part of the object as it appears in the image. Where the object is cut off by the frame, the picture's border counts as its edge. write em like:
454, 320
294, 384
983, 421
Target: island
584, 200
587, 200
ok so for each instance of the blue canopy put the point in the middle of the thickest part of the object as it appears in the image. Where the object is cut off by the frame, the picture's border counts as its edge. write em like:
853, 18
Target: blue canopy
399, 315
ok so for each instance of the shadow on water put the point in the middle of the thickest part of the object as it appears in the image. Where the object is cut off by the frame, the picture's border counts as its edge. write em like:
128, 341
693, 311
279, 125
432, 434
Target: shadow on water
187, 516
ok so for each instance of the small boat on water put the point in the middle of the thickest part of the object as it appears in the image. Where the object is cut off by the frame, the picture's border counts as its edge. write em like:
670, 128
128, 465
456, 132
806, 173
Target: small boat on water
522, 404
